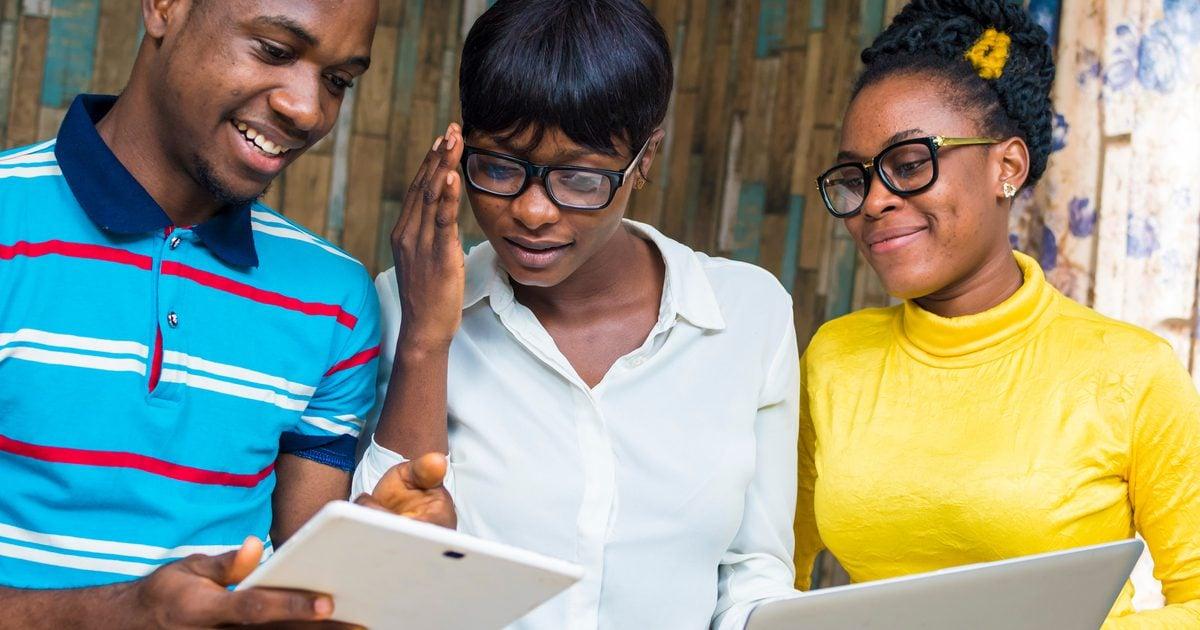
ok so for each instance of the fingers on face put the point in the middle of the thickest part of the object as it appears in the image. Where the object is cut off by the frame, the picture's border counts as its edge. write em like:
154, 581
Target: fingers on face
433, 190
445, 219
439, 191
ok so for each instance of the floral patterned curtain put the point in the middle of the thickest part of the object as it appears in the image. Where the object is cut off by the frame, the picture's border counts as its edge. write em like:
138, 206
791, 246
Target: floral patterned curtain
1116, 220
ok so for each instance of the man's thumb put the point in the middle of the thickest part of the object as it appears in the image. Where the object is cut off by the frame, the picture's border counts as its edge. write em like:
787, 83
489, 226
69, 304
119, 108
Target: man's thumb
236, 565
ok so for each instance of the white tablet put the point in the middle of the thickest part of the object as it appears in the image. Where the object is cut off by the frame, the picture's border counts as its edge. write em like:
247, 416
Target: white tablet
387, 571
1063, 590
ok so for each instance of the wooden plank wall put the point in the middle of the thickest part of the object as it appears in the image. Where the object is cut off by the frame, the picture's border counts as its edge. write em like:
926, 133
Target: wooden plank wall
756, 113
761, 85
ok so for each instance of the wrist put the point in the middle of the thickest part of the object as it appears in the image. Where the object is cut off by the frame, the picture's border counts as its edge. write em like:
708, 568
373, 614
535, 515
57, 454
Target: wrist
413, 345
103, 607
130, 600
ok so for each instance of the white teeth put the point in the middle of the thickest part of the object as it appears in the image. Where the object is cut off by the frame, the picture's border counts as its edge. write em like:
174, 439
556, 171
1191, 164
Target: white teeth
259, 140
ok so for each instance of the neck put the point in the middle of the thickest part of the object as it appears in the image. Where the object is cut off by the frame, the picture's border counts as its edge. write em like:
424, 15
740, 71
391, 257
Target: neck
617, 275
989, 285
135, 135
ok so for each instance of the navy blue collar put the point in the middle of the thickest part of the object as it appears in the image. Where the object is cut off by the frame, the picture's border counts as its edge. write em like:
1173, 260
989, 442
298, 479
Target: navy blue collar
116, 202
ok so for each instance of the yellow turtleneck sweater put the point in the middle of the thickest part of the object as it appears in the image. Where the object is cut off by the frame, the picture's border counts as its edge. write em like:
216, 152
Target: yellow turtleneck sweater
1038, 425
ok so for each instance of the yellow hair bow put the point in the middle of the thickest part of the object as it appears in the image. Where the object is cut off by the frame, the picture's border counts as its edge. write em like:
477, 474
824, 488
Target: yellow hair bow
989, 53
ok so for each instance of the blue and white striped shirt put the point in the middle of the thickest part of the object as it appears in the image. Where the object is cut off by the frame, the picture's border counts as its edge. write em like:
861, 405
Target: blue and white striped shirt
150, 375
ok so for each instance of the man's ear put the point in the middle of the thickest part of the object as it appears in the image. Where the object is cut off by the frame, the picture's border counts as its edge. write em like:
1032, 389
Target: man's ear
158, 15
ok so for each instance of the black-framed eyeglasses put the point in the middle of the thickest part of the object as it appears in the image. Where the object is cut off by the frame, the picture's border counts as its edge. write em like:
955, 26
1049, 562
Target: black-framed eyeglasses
906, 168
575, 187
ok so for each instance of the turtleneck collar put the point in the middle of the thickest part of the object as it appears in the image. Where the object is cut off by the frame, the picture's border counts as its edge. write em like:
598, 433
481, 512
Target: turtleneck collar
977, 338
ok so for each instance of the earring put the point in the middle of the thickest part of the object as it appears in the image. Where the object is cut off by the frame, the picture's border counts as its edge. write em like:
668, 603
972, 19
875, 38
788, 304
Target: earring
639, 184
1010, 191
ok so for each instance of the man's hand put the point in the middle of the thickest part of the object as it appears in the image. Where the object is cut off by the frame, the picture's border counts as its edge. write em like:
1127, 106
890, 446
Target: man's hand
193, 593
414, 489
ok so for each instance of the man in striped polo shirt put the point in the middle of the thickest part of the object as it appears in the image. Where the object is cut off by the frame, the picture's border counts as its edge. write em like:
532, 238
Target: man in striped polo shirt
181, 367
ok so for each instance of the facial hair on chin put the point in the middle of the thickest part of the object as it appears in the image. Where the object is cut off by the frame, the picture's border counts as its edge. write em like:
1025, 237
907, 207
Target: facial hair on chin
207, 178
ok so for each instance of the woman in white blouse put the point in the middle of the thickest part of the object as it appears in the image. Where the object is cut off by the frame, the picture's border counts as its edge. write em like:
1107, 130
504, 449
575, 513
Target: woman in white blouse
606, 395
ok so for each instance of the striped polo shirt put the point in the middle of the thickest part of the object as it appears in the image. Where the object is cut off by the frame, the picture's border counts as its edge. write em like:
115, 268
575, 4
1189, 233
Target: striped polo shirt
150, 374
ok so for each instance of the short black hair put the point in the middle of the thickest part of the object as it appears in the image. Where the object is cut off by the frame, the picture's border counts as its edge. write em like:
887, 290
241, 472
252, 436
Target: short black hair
596, 69
931, 38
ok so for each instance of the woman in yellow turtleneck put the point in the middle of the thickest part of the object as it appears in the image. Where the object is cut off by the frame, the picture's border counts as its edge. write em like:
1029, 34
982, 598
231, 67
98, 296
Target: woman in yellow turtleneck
988, 416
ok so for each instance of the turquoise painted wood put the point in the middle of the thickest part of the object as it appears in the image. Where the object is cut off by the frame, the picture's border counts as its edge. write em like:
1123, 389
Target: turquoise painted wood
791, 243
406, 58
872, 21
816, 17
841, 281
772, 27
70, 51
748, 227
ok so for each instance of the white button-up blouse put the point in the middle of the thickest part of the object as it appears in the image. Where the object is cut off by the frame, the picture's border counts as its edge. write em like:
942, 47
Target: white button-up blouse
672, 482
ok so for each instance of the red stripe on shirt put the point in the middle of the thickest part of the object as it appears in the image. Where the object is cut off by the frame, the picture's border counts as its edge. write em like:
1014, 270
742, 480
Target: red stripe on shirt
261, 296
75, 250
361, 358
156, 366
112, 459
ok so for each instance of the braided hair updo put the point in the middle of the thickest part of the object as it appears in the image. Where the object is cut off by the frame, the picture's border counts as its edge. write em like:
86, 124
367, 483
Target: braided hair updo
932, 38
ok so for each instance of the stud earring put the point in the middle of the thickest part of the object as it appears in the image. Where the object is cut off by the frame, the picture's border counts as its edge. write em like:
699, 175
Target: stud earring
1010, 191
640, 184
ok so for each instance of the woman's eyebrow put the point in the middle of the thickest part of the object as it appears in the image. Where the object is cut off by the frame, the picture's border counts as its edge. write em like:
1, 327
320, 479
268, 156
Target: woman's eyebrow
507, 146
896, 137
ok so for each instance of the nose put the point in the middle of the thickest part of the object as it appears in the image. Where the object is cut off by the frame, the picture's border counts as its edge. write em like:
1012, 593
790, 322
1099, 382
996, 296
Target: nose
534, 208
299, 102
879, 200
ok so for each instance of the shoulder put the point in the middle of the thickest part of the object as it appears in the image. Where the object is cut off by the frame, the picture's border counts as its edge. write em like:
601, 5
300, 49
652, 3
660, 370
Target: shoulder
33, 164
1112, 337
734, 281
283, 241
855, 336
302, 262
37, 153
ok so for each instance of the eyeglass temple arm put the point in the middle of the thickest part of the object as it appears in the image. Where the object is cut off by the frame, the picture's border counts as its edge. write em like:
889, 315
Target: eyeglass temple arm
942, 141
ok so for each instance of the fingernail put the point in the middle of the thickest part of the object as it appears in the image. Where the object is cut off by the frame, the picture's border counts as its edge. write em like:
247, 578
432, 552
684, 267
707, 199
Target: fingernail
323, 606
449, 179
450, 141
437, 143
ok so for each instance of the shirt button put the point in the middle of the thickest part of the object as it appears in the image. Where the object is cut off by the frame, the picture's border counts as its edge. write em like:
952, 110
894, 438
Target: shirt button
175, 242
637, 361
172, 319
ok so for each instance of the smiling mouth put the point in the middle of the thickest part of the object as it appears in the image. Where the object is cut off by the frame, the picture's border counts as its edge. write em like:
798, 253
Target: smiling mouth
895, 242
538, 248
260, 142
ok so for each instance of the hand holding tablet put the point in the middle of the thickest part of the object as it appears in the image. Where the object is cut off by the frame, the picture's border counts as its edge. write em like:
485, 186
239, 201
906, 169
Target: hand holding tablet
388, 571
